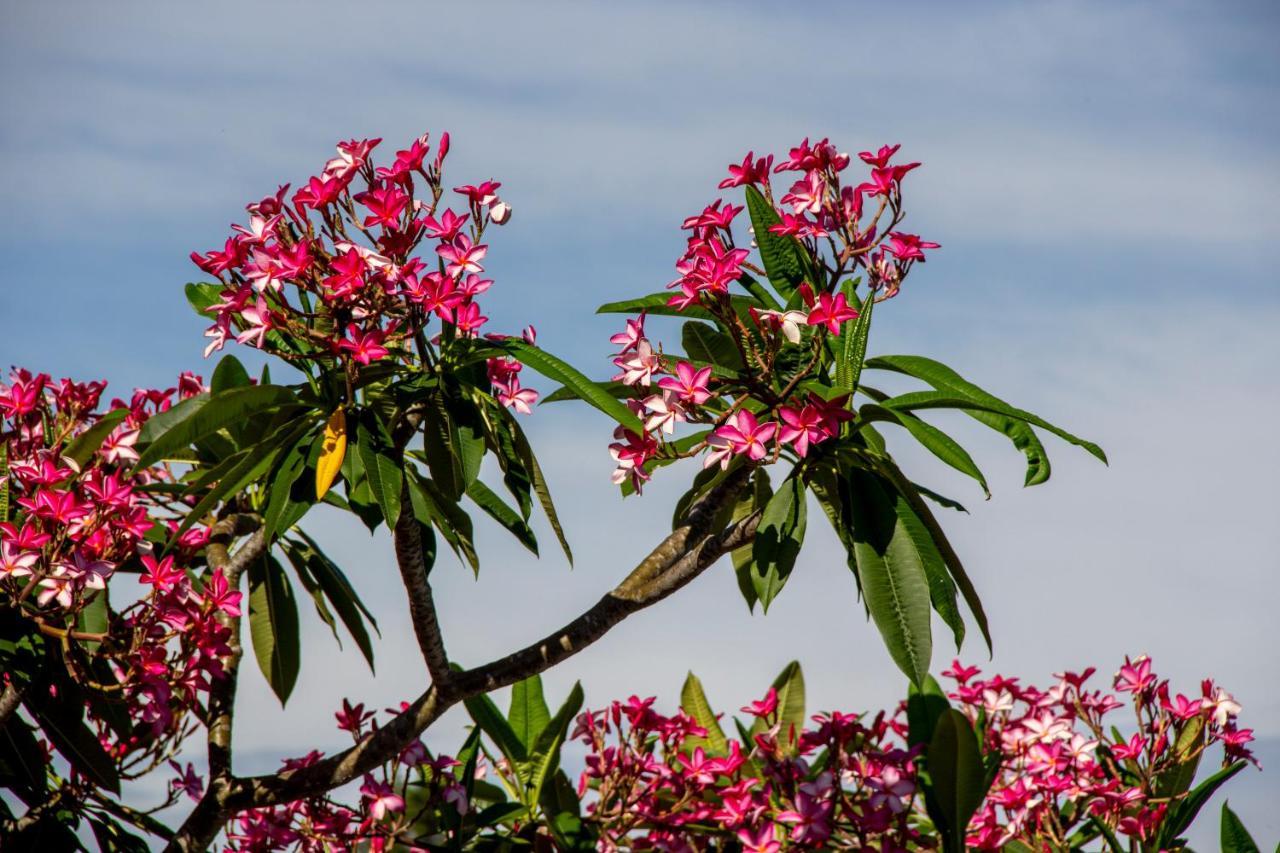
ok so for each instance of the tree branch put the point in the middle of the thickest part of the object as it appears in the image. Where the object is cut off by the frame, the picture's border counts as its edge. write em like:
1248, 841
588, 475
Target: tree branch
411, 559
677, 560
10, 699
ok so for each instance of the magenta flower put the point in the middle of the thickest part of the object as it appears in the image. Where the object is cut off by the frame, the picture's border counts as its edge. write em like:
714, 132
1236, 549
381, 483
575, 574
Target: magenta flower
752, 171
908, 247
880, 159
831, 312
381, 798
746, 437
364, 347
162, 574
385, 205
689, 383
462, 256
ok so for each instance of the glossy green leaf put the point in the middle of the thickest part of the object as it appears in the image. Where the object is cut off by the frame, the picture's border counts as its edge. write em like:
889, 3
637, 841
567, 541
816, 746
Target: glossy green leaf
934, 440
490, 720
342, 595
529, 713
782, 256
554, 368
83, 446
382, 472
706, 344
925, 706
693, 701
894, 582
957, 778
1234, 837
229, 373
497, 509
778, 540
656, 303
202, 295
545, 755
613, 389
1183, 813
853, 344
273, 626
540, 488
759, 292
192, 419
442, 445
754, 500
431, 508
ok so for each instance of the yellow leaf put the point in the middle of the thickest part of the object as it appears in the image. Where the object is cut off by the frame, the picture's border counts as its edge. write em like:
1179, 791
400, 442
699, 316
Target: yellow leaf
332, 452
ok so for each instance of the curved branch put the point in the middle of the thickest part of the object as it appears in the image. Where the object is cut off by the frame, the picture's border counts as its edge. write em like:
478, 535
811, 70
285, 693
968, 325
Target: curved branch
678, 559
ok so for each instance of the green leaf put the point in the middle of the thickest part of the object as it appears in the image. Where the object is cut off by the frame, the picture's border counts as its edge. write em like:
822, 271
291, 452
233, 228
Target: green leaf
693, 701
342, 595
554, 368
529, 713
944, 400
782, 255
114, 838
499, 511
1183, 813
229, 373
656, 303
382, 472
192, 419
931, 438
1234, 837
704, 343
892, 575
281, 492
854, 339
490, 720
83, 446
957, 778
945, 379
203, 295
613, 389
545, 754
442, 445
909, 492
925, 706
60, 718
273, 626
760, 292
530, 462
755, 499
778, 540
431, 507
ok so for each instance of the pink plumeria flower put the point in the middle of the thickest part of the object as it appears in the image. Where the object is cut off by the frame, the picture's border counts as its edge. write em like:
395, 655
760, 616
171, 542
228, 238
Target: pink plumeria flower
689, 383
631, 337
259, 319
520, 399
665, 410
908, 247
891, 790
15, 562
57, 586
381, 798
765, 707
747, 437
831, 312
365, 347
1221, 707
462, 256
639, 367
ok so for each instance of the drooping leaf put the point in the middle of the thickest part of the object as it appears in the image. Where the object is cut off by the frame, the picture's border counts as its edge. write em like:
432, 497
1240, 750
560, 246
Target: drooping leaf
530, 462
934, 440
497, 509
892, 575
693, 701
925, 706
382, 471
957, 778
273, 625
61, 720
1183, 813
342, 595
778, 540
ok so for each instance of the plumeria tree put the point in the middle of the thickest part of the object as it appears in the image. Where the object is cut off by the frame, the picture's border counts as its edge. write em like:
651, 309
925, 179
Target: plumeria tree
145, 541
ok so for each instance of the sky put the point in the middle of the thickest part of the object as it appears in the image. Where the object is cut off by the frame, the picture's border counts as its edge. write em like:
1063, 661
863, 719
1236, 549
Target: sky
1102, 178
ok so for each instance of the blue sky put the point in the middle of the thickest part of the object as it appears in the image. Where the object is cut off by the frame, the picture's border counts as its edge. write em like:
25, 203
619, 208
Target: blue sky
1103, 179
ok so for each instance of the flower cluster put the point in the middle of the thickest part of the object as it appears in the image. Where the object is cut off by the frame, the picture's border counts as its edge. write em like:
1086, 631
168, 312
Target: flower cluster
330, 272
835, 238
660, 783
1061, 766
74, 511
385, 815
